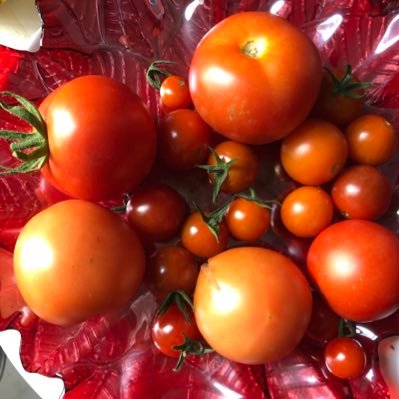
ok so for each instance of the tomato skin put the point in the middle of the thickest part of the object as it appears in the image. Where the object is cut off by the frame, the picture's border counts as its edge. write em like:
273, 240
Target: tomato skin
362, 192
314, 153
242, 308
306, 211
246, 220
101, 137
174, 93
355, 265
262, 64
345, 357
76, 259
372, 139
184, 139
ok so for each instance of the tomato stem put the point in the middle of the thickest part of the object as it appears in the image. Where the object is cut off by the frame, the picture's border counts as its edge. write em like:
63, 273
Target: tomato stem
181, 299
252, 196
155, 74
214, 218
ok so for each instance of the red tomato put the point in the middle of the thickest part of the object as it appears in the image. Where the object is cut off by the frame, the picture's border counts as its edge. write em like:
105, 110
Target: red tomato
355, 265
174, 93
345, 357
306, 211
246, 220
362, 192
184, 139
156, 212
249, 74
252, 305
76, 259
171, 269
198, 238
372, 139
101, 138
314, 153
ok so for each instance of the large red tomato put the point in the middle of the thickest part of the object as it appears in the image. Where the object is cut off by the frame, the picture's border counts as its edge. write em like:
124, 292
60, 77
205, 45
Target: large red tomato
254, 77
355, 264
76, 259
252, 305
101, 138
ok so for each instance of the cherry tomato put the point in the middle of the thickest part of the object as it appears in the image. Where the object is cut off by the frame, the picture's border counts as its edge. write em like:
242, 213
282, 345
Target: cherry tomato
198, 238
345, 357
101, 138
184, 139
362, 192
372, 139
244, 169
248, 76
247, 220
355, 265
252, 305
306, 211
76, 259
314, 153
170, 269
156, 212
174, 93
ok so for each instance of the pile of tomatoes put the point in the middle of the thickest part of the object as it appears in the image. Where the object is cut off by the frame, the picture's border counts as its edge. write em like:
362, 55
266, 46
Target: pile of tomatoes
193, 220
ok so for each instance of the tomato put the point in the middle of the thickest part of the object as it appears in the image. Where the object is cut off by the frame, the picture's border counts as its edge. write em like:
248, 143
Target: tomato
198, 238
362, 192
355, 265
101, 138
306, 211
170, 269
76, 259
252, 305
184, 139
314, 153
247, 220
174, 93
156, 211
248, 76
372, 139
345, 357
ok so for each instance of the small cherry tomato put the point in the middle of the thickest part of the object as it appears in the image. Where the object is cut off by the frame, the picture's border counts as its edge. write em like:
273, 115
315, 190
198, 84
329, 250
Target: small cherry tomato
306, 211
197, 237
183, 140
174, 93
362, 192
372, 139
247, 220
170, 269
156, 212
345, 357
314, 153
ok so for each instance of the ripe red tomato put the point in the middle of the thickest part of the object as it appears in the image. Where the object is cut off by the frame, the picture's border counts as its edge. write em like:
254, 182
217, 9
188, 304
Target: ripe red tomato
246, 220
362, 192
198, 238
76, 259
249, 74
372, 139
170, 269
345, 357
355, 265
306, 211
156, 211
101, 138
184, 139
314, 153
174, 93
252, 305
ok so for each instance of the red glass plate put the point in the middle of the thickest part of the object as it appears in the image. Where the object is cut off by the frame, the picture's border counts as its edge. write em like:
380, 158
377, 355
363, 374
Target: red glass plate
111, 356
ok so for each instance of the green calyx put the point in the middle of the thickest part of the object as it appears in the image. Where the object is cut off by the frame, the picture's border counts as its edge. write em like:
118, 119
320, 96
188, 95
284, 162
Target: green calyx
182, 301
346, 86
30, 148
252, 196
155, 74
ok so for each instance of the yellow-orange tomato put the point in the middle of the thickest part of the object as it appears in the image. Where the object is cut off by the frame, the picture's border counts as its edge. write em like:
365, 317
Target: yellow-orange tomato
76, 259
314, 153
252, 305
